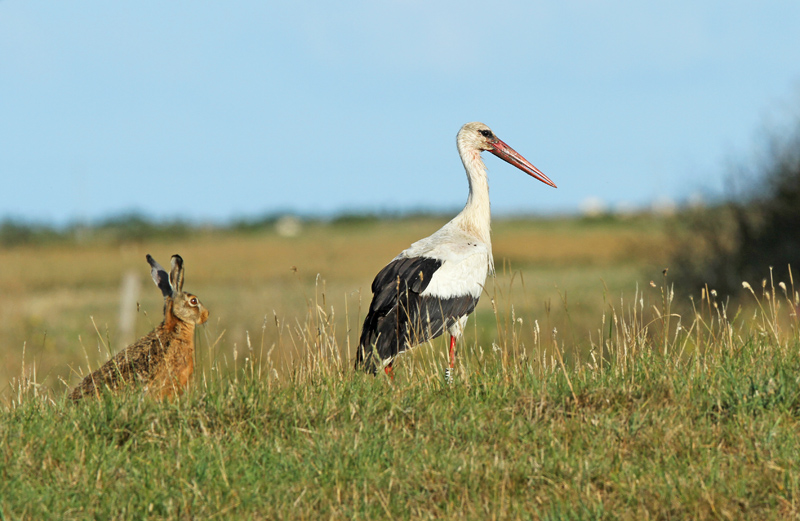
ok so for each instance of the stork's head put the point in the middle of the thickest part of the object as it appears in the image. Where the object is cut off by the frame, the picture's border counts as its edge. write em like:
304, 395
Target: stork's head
475, 137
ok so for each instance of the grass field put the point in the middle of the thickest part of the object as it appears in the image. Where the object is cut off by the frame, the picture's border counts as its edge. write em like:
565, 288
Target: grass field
62, 302
633, 408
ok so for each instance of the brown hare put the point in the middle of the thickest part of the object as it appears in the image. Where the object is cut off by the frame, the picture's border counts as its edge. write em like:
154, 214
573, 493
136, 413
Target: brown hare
162, 361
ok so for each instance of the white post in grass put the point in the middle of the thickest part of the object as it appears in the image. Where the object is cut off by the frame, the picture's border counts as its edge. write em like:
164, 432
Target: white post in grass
129, 295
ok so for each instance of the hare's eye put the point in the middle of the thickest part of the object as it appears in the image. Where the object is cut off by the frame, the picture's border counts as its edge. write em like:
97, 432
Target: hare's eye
193, 301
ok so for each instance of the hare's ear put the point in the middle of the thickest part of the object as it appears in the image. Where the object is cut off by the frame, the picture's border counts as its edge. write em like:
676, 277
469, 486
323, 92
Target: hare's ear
160, 276
176, 275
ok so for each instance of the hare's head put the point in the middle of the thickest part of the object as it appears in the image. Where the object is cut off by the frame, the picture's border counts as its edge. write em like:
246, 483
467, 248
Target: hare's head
185, 306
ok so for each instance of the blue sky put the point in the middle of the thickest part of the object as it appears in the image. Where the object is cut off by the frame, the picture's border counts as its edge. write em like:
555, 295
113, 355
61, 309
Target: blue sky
217, 110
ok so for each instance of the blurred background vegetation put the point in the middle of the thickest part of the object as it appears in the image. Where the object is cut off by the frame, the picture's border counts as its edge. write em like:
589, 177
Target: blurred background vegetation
755, 227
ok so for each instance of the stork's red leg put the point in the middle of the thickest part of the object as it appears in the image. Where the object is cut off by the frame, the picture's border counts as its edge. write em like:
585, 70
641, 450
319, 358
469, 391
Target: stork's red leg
452, 351
388, 370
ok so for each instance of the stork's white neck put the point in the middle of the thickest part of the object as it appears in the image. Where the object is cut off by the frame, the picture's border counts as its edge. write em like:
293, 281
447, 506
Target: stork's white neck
476, 217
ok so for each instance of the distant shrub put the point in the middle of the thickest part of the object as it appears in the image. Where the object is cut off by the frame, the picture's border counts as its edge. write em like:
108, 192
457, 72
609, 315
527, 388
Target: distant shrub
256, 224
16, 233
755, 229
355, 219
117, 229
133, 227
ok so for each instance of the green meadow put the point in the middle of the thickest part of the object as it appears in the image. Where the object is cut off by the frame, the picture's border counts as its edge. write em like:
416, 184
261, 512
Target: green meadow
588, 385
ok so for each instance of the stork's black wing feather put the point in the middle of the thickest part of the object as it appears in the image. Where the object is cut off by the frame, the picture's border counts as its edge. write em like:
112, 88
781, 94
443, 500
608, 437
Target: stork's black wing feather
399, 317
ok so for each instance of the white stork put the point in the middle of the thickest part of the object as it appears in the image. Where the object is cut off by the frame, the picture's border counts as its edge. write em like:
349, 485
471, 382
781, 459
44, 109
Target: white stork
436, 283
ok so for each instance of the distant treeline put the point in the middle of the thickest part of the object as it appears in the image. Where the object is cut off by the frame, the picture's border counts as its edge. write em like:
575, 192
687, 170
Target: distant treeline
134, 227
14, 232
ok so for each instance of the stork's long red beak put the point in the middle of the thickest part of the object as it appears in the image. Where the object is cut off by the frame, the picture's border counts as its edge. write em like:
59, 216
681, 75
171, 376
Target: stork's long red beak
511, 156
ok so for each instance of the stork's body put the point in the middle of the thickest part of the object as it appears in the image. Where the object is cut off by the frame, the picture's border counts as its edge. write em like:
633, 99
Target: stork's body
436, 283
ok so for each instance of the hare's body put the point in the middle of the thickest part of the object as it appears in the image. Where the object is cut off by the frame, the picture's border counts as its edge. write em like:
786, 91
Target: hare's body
161, 362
